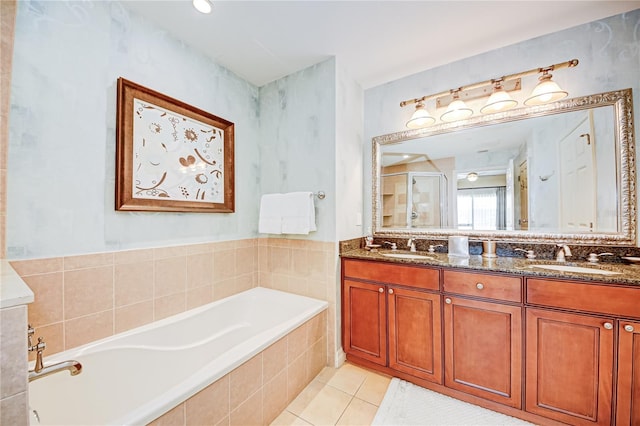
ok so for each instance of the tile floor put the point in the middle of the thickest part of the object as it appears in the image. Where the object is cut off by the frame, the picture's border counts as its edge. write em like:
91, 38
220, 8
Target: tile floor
349, 395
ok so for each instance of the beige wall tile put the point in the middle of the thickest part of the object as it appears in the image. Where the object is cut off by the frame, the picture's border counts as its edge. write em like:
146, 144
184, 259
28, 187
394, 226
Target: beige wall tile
132, 256
132, 316
209, 406
53, 336
166, 252
296, 376
224, 265
13, 346
245, 381
37, 266
222, 289
244, 282
133, 282
223, 246
224, 422
87, 329
47, 307
318, 264
274, 359
199, 296
88, 261
198, 248
175, 417
279, 260
274, 397
87, 291
199, 270
317, 328
316, 358
170, 276
249, 413
166, 306
246, 260
297, 342
300, 263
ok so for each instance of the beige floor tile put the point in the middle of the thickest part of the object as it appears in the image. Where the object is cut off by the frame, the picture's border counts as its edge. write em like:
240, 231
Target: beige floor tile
374, 388
288, 419
307, 395
326, 374
348, 378
358, 413
327, 407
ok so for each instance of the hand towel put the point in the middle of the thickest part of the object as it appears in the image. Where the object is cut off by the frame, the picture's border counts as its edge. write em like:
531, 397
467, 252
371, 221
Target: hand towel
298, 213
270, 220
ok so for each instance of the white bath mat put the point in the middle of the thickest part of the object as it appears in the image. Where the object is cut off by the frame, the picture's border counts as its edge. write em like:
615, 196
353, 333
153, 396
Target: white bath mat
408, 404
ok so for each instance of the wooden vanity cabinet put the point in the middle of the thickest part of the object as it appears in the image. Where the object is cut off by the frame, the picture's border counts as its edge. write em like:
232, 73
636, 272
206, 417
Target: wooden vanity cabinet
390, 320
483, 338
628, 383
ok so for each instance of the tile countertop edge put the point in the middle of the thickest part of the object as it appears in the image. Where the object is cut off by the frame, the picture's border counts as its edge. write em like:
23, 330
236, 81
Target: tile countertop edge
629, 274
13, 290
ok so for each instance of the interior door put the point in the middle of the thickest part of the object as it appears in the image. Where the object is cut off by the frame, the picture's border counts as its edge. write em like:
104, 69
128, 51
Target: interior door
577, 180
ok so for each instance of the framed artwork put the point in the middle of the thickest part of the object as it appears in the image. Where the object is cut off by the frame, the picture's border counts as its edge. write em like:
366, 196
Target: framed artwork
171, 156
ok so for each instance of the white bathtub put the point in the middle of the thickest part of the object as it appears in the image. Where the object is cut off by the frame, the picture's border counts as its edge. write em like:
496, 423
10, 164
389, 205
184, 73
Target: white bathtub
132, 378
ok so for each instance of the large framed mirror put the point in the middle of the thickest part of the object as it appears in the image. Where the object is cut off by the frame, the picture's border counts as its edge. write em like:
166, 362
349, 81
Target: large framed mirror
561, 172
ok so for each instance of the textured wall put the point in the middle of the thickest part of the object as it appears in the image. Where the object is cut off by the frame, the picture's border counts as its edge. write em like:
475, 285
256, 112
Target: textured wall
608, 51
61, 172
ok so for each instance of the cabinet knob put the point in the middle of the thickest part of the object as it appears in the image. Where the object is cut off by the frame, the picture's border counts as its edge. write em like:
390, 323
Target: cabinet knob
479, 286
381, 290
447, 301
390, 291
608, 325
628, 328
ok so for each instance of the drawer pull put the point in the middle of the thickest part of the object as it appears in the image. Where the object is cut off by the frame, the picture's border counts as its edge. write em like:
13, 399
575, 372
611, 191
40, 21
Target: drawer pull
447, 301
608, 325
390, 291
628, 328
381, 290
479, 286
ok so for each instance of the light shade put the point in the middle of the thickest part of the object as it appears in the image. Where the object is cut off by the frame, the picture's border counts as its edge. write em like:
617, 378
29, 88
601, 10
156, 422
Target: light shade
420, 118
457, 110
498, 101
203, 6
546, 91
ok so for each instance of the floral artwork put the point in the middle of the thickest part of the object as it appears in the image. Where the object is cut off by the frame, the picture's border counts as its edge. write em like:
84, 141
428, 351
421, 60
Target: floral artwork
171, 156
175, 157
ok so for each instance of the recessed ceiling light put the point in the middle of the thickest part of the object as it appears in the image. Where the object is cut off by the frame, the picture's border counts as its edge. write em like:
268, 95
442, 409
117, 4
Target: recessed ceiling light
203, 6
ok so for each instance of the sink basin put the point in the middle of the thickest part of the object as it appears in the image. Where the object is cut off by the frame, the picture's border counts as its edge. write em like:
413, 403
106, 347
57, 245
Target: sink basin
578, 269
407, 256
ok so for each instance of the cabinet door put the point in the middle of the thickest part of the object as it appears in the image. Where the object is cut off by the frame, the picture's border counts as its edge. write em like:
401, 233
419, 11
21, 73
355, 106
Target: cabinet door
569, 367
415, 343
365, 327
628, 406
483, 349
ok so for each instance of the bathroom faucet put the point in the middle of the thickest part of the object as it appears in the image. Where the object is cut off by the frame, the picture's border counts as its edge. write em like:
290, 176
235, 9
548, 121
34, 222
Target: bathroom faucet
393, 246
412, 244
563, 252
39, 370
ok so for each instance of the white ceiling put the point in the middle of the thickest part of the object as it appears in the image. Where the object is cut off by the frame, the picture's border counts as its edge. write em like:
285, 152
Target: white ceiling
375, 41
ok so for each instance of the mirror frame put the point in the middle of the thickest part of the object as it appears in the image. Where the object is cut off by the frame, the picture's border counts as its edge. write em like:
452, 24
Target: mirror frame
622, 102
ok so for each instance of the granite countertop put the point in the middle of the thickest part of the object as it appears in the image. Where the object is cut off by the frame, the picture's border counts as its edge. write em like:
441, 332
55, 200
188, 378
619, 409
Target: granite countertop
627, 274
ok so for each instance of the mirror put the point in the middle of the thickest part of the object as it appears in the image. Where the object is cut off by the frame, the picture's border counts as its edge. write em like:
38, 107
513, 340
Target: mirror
558, 172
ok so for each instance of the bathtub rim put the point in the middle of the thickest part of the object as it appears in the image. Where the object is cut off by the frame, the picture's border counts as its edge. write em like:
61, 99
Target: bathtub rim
196, 382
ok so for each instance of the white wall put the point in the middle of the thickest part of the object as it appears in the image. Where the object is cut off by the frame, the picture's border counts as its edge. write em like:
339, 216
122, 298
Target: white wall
608, 51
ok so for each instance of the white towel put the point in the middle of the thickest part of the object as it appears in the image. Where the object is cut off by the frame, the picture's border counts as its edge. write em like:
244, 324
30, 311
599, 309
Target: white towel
298, 213
270, 220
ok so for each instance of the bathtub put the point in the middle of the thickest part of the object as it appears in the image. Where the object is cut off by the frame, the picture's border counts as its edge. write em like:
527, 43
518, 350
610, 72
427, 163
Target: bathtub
134, 377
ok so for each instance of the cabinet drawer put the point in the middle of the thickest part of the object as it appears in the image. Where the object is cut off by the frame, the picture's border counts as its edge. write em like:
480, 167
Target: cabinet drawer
620, 301
483, 285
412, 276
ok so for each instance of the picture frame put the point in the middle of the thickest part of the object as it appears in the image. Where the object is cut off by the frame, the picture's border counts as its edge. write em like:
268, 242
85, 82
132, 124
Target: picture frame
171, 156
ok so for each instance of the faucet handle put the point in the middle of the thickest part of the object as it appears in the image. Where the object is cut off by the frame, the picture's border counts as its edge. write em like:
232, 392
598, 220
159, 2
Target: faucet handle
432, 247
30, 332
593, 257
530, 254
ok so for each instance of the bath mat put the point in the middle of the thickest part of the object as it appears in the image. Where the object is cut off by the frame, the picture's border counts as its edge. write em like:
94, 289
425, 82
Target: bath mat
409, 404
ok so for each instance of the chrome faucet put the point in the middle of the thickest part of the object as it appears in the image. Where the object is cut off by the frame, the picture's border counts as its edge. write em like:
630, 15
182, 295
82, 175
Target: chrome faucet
412, 244
563, 252
393, 246
39, 370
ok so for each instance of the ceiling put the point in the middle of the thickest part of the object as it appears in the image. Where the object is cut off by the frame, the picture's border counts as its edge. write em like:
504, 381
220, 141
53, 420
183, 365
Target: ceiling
375, 41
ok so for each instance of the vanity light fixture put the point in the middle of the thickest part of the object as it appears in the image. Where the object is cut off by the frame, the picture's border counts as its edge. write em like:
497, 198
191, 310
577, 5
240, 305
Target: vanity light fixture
420, 117
546, 91
500, 100
495, 89
203, 6
457, 109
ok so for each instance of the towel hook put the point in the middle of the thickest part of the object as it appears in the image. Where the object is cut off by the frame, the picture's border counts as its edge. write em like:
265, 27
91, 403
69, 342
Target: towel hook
320, 195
